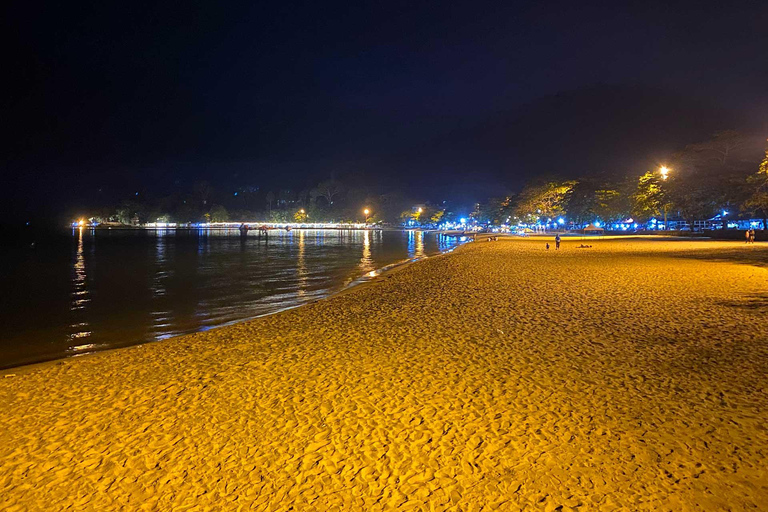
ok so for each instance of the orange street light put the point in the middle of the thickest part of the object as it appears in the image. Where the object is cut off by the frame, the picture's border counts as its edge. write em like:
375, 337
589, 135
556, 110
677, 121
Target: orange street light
664, 170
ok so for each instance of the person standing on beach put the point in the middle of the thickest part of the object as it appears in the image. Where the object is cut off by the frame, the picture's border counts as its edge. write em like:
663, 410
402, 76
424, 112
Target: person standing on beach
547, 245
751, 235
557, 242
746, 235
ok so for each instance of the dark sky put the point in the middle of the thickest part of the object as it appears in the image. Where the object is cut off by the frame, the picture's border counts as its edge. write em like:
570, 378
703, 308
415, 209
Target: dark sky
442, 97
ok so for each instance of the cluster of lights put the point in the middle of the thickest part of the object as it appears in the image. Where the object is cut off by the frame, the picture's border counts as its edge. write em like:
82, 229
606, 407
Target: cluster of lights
271, 225
462, 223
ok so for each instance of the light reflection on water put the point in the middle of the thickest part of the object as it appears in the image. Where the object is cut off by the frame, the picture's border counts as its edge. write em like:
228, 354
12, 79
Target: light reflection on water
80, 293
366, 262
301, 266
416, 244
137, 286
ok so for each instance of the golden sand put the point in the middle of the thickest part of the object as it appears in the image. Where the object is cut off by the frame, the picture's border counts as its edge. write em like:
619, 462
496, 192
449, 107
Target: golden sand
629, 376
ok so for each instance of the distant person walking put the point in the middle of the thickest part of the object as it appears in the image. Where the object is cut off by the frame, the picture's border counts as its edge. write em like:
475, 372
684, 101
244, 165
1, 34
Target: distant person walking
547, 245
557, 242
751, 235
746, 235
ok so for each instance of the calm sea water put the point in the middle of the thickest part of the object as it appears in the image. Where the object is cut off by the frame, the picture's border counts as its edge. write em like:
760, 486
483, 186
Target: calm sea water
97, 289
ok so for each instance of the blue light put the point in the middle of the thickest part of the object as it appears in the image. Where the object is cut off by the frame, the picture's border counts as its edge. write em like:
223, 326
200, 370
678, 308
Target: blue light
463, 220
561, 221
725, 212
235, 193
597, 223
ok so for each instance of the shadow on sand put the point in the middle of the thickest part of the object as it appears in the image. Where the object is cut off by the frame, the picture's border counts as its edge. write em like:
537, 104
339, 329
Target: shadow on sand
750, 255
755, 302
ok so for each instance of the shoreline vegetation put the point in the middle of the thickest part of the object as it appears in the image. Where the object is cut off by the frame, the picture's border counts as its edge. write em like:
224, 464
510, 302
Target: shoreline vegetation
630, 374
718, 183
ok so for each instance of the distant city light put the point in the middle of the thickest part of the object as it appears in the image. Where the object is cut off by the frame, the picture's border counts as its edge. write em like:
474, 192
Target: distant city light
725, 212
463, 220
597, 223
561, 220
664, 172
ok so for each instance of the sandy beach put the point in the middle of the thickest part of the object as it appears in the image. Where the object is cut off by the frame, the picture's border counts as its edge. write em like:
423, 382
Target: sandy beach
632, 375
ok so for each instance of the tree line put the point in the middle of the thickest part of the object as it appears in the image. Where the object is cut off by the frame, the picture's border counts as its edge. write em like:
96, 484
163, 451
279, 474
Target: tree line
330, 200
721, 174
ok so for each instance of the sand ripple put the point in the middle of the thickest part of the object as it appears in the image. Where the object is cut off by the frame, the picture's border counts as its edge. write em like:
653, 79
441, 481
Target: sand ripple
629, 376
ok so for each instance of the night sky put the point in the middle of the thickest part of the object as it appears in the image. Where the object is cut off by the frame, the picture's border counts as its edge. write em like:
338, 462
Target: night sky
458, 99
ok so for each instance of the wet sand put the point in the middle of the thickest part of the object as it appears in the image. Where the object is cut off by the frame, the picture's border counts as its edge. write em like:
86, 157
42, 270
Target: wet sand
629, 376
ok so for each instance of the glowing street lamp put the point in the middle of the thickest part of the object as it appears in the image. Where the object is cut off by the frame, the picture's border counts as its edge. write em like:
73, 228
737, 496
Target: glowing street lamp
366, 212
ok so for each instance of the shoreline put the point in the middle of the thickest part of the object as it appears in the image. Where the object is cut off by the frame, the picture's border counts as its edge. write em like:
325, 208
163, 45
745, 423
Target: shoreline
503, 375
345, 288
354, 283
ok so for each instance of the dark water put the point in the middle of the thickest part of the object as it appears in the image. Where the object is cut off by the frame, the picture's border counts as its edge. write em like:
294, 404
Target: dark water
91, 290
